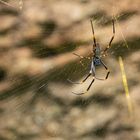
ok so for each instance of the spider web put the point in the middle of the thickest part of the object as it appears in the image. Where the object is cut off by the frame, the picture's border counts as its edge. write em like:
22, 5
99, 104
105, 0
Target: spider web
54, 80
13, 3
43, 60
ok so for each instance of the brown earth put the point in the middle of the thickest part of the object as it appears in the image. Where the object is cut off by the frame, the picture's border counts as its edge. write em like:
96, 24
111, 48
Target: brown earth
37, 45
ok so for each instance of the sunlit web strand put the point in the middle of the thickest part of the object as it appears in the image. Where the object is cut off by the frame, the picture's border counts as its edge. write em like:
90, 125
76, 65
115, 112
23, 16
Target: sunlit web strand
116, 19
126, 44
6, 3
124, 78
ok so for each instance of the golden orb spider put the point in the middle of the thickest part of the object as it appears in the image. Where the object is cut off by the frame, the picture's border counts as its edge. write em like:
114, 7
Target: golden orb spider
96, 60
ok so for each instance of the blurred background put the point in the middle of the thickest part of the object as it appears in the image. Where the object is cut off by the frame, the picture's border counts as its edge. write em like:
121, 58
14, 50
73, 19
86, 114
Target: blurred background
37, 42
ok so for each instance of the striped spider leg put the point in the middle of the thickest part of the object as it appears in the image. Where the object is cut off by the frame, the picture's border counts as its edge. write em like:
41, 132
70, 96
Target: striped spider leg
95, 61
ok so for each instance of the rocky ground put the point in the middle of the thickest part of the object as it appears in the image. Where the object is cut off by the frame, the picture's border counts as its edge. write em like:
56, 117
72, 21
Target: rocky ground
37, 44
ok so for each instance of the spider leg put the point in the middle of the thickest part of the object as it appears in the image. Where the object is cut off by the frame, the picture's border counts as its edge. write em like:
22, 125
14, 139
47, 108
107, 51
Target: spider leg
90, 84
94, 38
81, 81
81, 57
108, 72
86, 90
86, 78
109, 45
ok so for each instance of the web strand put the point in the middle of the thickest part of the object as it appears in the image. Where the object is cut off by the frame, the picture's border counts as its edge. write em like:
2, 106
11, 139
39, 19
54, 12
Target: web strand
7, 4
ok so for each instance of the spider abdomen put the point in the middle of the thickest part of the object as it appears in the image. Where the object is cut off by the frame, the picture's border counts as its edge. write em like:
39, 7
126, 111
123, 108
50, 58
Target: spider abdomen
97, 61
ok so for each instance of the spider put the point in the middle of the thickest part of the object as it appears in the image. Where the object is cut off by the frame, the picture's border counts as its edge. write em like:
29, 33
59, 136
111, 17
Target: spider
97, 53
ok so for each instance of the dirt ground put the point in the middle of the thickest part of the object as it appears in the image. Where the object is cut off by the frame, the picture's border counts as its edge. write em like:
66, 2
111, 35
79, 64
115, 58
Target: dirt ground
37, 42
